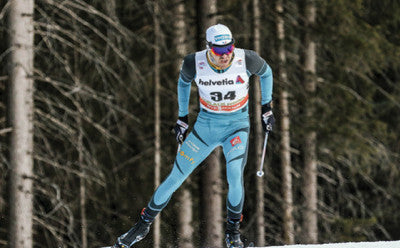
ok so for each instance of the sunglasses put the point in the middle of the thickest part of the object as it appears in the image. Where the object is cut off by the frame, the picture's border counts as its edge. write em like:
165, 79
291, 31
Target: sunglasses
221, 50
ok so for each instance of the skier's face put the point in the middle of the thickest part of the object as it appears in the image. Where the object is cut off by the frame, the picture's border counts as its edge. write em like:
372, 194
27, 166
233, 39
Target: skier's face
222, 61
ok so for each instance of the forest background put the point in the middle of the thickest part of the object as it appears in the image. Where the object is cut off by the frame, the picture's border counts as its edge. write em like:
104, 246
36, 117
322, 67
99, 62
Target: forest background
100, 101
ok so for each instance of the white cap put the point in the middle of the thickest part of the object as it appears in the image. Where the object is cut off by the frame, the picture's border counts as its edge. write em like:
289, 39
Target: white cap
219, 35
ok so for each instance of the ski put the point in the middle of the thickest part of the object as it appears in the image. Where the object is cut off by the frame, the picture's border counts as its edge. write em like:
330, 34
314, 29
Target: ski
250, 245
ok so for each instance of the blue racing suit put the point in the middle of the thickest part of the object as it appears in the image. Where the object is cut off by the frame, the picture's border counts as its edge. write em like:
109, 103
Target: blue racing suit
218, 123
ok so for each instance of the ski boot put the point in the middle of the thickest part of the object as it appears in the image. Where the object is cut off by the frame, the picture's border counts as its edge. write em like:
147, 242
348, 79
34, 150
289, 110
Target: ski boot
232, 234
135, 234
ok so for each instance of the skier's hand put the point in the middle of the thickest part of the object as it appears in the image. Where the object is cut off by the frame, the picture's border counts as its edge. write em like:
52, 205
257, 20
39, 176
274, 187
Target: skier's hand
267, 117
181, 128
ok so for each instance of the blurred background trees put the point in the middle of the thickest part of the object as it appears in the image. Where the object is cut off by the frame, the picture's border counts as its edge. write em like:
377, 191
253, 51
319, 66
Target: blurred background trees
97, 67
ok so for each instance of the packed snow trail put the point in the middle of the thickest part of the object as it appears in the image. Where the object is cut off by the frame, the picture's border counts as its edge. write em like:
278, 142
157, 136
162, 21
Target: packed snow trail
380, 244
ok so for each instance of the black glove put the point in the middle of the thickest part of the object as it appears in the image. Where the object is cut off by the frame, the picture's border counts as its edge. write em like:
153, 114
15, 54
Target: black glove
181, 128
267, 117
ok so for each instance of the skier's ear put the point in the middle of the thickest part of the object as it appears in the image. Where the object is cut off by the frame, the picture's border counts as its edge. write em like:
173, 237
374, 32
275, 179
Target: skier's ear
208, 45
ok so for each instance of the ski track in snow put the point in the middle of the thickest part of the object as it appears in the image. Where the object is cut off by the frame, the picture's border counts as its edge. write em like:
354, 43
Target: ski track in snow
380, 244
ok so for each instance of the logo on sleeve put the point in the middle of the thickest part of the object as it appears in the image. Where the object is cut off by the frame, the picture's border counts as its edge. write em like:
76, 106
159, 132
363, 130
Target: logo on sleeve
235, 141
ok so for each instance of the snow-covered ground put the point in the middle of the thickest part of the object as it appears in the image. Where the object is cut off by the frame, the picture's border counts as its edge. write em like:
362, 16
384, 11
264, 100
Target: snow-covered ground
380, 244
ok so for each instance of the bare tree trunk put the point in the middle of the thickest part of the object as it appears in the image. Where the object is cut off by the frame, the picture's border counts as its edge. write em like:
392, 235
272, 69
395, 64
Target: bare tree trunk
258, 133
111, 10
211, 198
310, 228
82, 189
207, 16
212, 201
79, 147
157, 117
246, 16
185, 211
21, 119
288, 222
185, 218
180, 32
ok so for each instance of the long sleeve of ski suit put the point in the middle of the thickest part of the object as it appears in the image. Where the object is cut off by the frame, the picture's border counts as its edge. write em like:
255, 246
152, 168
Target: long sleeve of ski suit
257, 65
229, 130
186, 77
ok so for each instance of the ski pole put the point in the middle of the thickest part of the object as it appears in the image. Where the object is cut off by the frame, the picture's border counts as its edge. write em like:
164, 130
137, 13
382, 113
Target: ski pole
260, 173
179, 143
179, 147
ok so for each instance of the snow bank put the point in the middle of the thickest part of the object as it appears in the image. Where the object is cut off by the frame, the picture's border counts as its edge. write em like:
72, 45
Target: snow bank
380, 244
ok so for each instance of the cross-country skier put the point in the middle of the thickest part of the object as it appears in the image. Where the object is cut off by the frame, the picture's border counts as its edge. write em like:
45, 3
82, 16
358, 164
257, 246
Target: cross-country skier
221, 73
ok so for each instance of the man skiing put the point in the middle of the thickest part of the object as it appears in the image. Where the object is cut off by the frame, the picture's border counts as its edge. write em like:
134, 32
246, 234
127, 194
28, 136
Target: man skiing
221, 73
